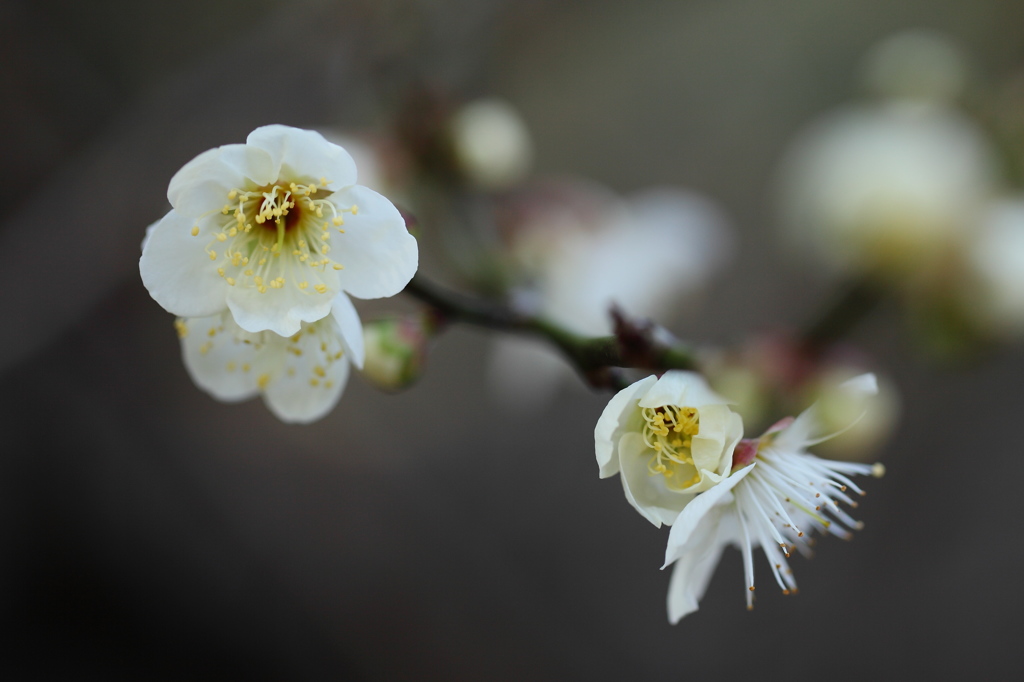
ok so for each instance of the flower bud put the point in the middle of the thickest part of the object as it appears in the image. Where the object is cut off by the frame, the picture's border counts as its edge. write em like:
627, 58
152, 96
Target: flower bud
396, 350
492, 144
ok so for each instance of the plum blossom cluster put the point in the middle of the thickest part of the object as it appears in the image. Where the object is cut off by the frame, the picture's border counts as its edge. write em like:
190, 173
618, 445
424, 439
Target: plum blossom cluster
257, 257
680, 453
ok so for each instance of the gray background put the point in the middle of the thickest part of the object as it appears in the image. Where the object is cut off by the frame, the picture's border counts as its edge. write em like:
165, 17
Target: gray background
148, 532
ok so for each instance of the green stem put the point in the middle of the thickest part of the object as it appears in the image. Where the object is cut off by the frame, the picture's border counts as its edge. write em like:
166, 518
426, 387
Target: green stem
596, 358
838, 318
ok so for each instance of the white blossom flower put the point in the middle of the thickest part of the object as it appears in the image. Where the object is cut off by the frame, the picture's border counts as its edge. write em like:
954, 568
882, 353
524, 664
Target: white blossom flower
996, 259
669, 439
776, 494
273, 230
891, 189
301, 376
583, 250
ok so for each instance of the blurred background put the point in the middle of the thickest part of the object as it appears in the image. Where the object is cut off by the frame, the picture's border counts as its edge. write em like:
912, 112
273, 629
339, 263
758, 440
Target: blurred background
149, 532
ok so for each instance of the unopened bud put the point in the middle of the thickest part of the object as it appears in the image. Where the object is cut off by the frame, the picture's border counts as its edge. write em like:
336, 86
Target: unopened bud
491, 143
396, 350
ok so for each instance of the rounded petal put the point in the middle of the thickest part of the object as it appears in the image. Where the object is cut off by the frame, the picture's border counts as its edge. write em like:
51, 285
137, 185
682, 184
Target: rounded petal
378, 254
350, 327
611, 424
312, 377
218, 358
281, 311
202, 184
648, 494
677, 387
177, 271
298, 155
720, 431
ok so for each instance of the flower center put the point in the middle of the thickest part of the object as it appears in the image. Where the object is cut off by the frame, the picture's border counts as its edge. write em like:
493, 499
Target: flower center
669, 431
277, 236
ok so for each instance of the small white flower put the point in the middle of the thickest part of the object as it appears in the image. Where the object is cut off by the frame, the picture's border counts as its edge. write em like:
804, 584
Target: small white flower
301, 376
669, 438
273, 230
775, 496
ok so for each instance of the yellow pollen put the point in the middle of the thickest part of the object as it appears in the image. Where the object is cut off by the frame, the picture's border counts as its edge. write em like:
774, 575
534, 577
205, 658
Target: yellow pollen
231, 366
328, 384
319, 371
339, 266
314, 382
668, 432
303, 285
262, 381
195, 230
321, 288
212, 332
213, 256
338, 221
205, 348
231, 281
324, 249
354, 210
221, 237
181, 327
245, 367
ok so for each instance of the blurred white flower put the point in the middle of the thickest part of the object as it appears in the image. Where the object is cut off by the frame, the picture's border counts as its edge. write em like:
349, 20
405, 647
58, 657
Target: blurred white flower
301, 376
585, 249
996, 258
775, 495
492, 144
273, 230
669, 439
894, 189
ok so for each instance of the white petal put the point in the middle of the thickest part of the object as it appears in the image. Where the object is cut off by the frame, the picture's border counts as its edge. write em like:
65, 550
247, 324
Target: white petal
693, 571
202, 184
648, 494
177, 271
218, 359
304, 156
350, 327
677, 387
692, 517
312, 376
720, 431
612, 422
281, 311
378, 253
807, 428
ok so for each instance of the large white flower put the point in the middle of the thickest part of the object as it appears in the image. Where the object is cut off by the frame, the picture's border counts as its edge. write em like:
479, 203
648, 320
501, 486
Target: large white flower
273, 230
300, 376
775, 496
669, 438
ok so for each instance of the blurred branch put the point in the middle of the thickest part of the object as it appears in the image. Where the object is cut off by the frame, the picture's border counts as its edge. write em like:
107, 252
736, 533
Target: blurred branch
599, 360
839, 316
